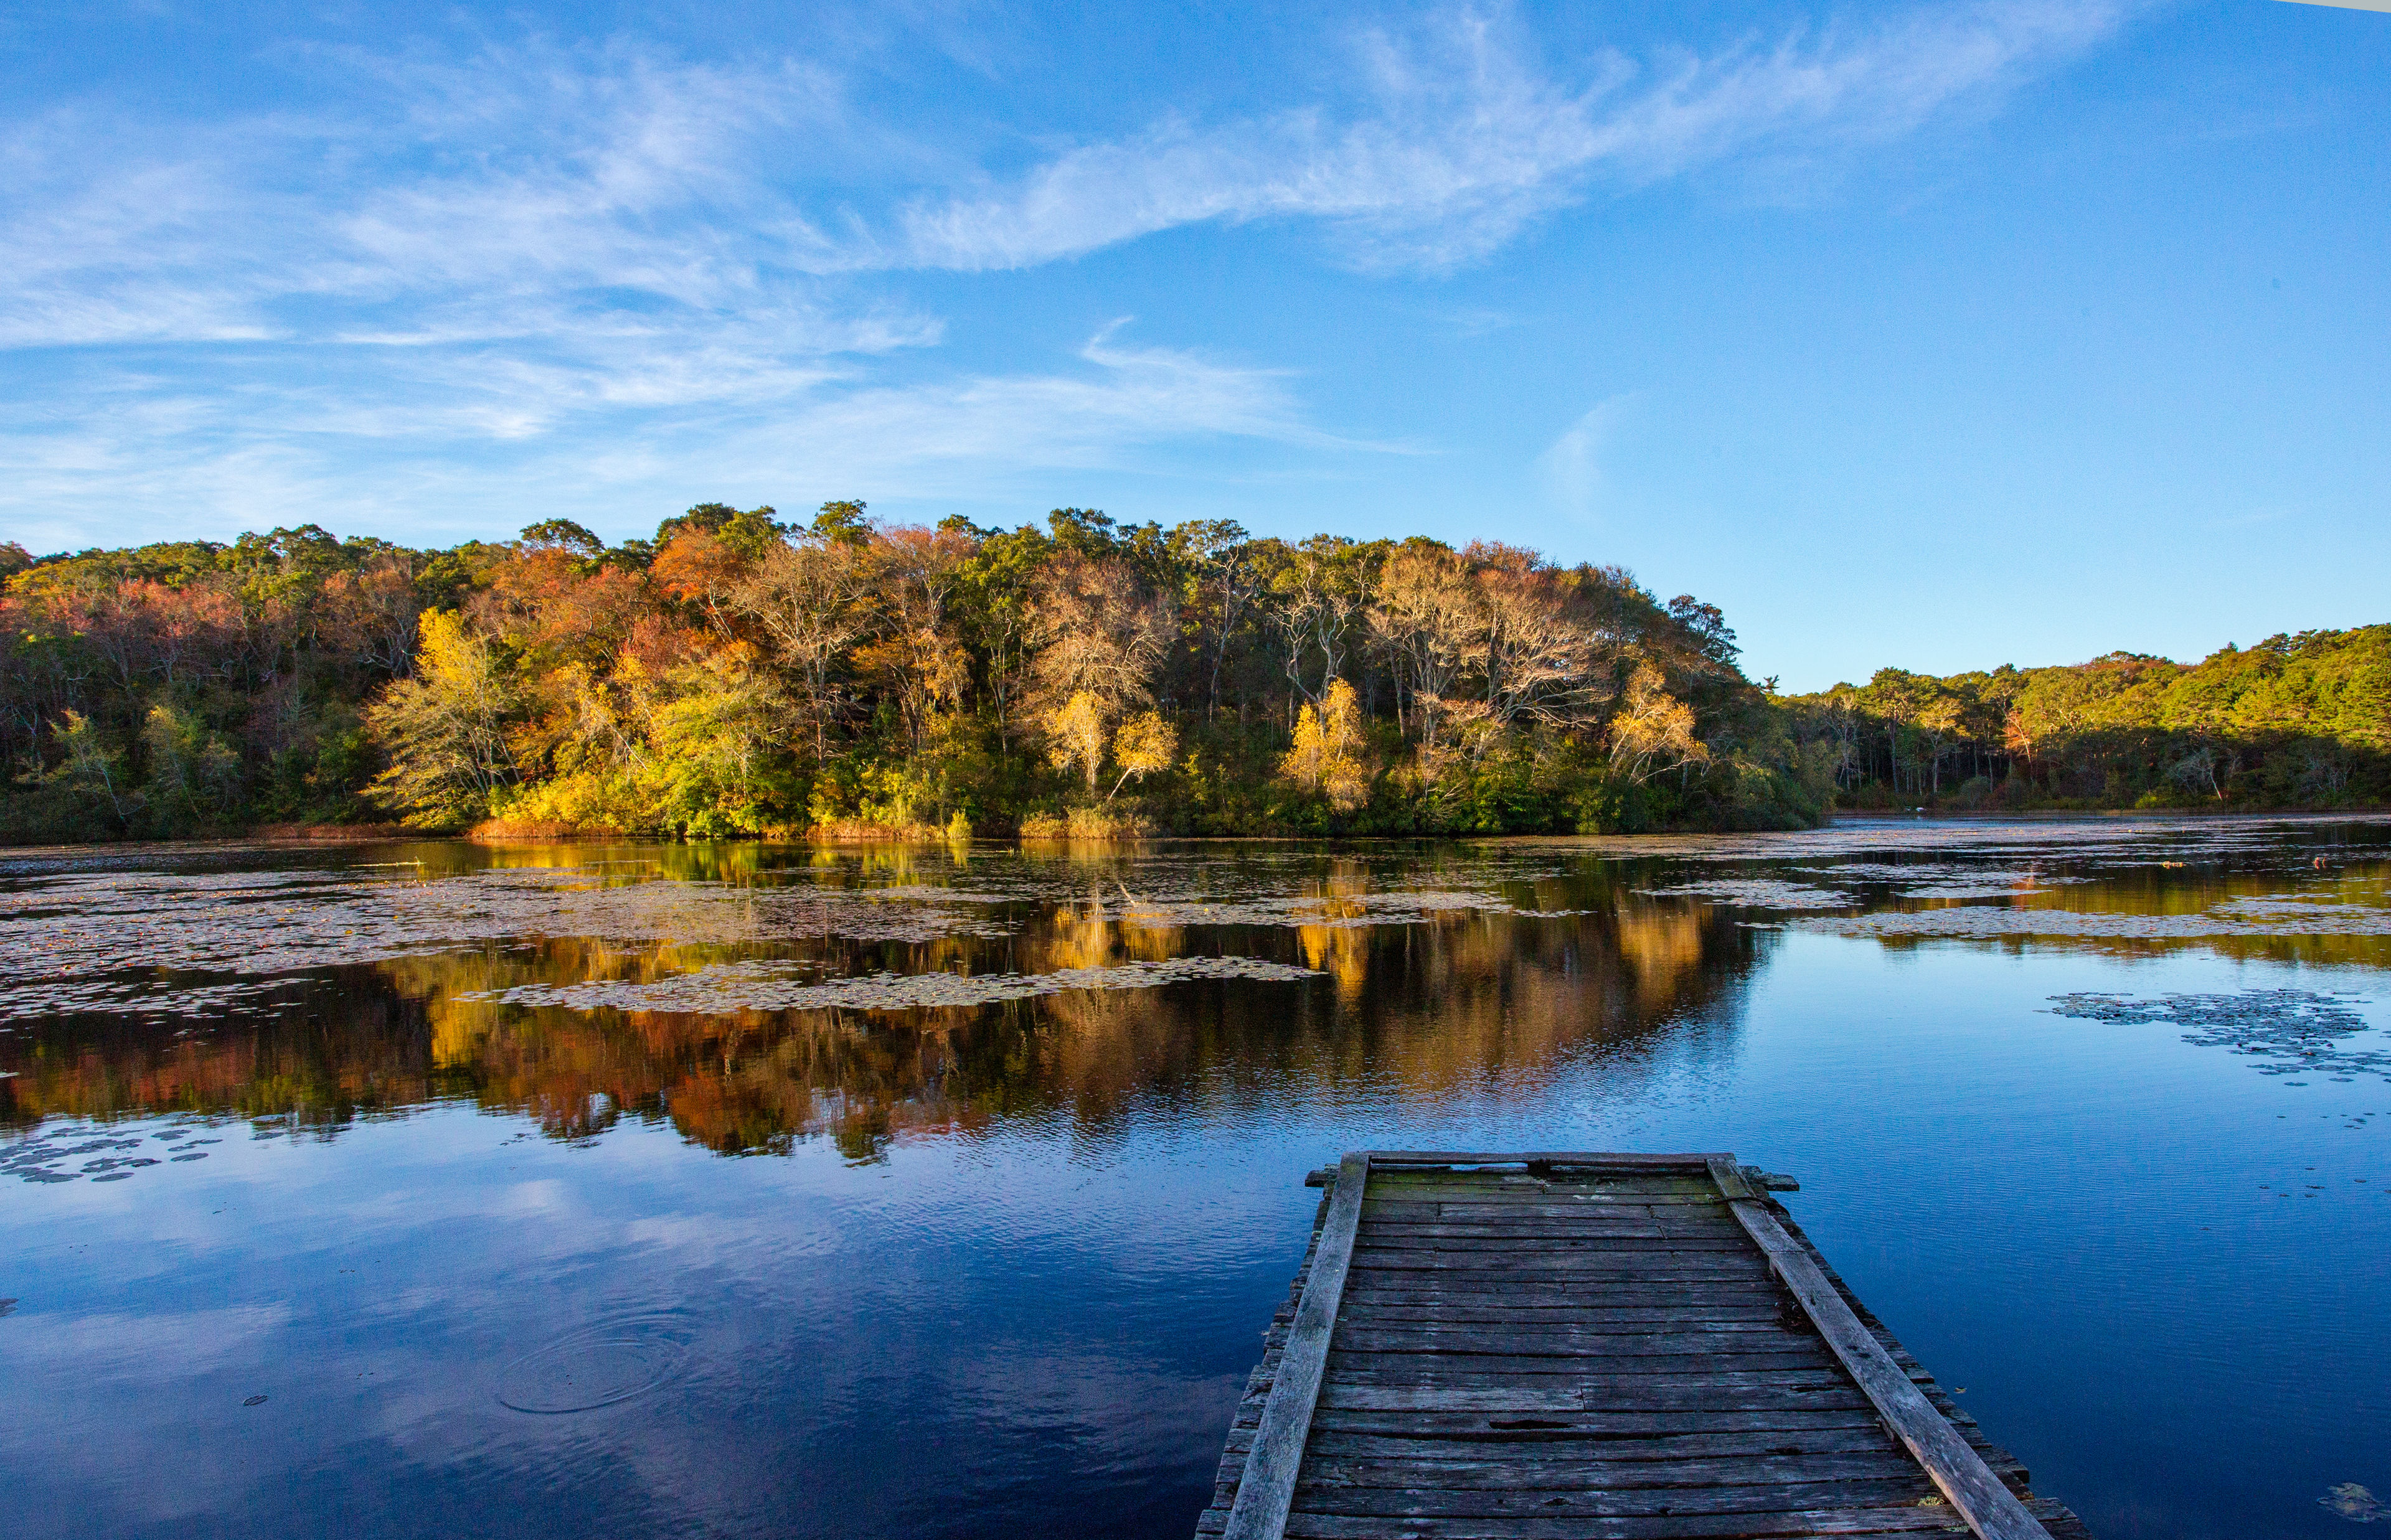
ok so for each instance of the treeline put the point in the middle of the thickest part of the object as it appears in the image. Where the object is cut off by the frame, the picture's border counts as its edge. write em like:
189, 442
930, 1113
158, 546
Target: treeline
739, 674
2301, 721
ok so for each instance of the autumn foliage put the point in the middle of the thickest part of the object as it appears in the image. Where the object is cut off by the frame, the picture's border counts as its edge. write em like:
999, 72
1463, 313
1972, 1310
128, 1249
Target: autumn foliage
744, 675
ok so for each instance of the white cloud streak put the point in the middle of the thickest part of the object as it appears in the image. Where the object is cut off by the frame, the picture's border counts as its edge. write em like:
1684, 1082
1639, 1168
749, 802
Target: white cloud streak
540, 267
1571, 466
1465, 142
610, 204
979, 438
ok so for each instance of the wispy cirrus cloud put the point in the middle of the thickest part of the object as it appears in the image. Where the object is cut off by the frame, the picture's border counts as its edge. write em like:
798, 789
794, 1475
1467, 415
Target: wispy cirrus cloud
1571, 466
1461, 140
515, 278
939, 438
541, 271
612, 194
605, 196
977, 438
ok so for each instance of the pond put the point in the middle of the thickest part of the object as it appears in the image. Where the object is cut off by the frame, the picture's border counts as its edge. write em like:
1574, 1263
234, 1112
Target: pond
431, 1190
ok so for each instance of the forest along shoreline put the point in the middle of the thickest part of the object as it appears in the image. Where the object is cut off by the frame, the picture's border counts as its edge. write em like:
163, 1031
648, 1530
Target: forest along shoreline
740, 676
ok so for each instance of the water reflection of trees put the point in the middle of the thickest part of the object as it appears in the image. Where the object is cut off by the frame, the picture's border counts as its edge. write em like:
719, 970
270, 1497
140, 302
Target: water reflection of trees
1417, 1011
340, 1053
2190, 897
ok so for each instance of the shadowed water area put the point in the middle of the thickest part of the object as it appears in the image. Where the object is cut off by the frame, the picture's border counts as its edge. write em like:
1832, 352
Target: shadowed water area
429, 1190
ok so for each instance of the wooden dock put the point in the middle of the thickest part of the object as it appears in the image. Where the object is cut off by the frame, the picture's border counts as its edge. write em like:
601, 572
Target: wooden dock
1584, 1346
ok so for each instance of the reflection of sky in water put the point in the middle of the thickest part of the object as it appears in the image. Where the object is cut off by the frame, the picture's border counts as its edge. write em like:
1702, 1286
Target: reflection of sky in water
1013, 1269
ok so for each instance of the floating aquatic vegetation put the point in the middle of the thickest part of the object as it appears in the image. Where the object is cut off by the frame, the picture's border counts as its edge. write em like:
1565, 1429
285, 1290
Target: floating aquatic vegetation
152, 999
867, 915
767, 986
1979, 922
86, 933
1884, 871
2297, 906
2138, 841
1947, 878
2290, 1031
102, 1156
1340, 911
1757, 893
1955, 888
1012, 892
1199, 897
2353, 1502
279, 923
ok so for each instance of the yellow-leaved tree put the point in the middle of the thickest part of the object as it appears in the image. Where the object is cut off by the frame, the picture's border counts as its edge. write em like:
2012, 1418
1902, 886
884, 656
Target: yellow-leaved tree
1145, 744
445, 727
1329, 753
1075, 735
1654, 730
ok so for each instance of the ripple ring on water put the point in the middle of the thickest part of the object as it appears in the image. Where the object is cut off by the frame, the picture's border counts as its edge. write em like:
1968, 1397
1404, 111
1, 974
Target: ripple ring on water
599, 1365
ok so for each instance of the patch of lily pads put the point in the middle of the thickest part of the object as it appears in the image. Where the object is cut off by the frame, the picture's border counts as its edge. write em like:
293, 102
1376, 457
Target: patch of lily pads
1757, 893
1984, 922
265, 923
725, 987
2289, 1030
68, 1154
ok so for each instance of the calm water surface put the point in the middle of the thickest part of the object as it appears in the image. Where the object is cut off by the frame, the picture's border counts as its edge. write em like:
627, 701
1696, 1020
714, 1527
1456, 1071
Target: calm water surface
433, 1190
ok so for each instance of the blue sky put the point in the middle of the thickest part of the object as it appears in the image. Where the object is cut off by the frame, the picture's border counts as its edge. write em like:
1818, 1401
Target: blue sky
1940, 335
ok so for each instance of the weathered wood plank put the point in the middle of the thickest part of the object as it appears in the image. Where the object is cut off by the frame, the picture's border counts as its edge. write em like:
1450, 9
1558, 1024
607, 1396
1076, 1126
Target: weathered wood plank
1558, 1239
1735, 1393
1411, 1286
1357, 1335
1753, 1526
1505, 1187
1978, 1496
1396, 1161
1481, 1214
1588, 1230
1543, 1232
1557, 1235
1863, 1436
1725, 1266
1465, 1211
1566, 1271
1736, 1308
1445, 1473
1477, 1313
1532, 1427
1546, 1196
1603, 1225
1267, 1485
1802, 1385
1452, 1357
1902, 1489
1651, 1264
1746, 1527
